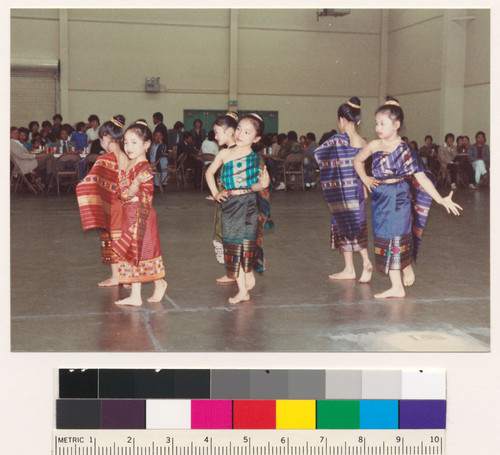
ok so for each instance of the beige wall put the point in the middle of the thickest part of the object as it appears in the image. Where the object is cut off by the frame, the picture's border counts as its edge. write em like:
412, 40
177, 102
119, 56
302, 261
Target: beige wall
287, 60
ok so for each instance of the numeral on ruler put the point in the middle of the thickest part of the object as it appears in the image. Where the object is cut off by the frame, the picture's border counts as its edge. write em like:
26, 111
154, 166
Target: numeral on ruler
249, 442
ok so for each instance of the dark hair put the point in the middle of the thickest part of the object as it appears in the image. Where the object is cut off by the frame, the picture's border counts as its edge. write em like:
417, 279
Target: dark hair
198, 120
94, 117
481, 132
292, 135
428, 137
459, 137
23, 129
311, 136
448, 135
46, 123
59, 116
257, 121
178, 125
187, 135
468, 138
159, 116
281, 137
80, 125
111, 128
140, 128
211, 136
350, 113
68, 128
32, 124
395, 111
36, 135
415, 145
13, 128
267, 140
227, 121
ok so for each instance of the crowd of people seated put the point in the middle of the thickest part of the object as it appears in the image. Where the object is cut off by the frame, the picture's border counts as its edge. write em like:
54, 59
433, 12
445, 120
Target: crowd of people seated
450, 162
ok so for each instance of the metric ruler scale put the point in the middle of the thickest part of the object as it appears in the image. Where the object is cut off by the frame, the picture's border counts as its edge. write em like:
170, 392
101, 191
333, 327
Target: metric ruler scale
248, 442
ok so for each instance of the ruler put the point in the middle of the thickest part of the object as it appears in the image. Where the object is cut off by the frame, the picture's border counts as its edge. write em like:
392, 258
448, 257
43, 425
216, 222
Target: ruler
248, 442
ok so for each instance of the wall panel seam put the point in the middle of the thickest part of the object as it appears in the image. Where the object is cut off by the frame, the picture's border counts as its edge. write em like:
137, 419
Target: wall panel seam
416, 23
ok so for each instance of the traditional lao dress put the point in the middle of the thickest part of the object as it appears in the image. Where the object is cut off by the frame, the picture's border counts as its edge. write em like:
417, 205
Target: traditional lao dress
99, 204
139, 244
400, 207
240, 214
343, 192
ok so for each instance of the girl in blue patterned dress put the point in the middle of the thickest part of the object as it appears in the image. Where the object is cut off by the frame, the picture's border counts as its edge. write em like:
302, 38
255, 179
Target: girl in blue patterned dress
243, 174
402, 192
344, 191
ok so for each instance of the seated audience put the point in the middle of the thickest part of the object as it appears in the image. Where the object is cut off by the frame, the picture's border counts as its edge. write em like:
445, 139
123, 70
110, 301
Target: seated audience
79, 137
27, 162
310, 164
199, 134
63, 145
479, 157
209, 146
160, 126
193, 160
33, 127
93, 129
158, 154
23, 138
175, 135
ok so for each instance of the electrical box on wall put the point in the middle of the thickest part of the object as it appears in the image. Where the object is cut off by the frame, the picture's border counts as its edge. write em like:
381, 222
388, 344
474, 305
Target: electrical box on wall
152, 84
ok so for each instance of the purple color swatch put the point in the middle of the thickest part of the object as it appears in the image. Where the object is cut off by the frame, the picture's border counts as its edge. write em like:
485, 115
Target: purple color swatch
123, 414
422, 414
211, 414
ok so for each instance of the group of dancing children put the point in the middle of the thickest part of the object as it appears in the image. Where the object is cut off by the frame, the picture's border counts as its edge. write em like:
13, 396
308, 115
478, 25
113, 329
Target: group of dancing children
116, 198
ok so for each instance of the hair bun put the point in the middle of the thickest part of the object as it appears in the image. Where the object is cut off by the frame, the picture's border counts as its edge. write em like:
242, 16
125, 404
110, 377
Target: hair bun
232, 114
390, 100
354, 102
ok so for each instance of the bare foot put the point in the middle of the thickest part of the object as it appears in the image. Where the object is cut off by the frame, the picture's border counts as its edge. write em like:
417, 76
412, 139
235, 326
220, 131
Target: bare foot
112, 281
239, 298
392, 292
408, 276
250, 281
225, 280
366, 276
344, 275
132, 301
159, 291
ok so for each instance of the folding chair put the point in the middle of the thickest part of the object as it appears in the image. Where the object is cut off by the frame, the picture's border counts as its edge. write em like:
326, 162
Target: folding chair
66, 171
18, 179
293, 166
207, 161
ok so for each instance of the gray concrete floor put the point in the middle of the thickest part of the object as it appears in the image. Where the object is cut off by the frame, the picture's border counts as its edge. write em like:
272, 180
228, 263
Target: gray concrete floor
57, 306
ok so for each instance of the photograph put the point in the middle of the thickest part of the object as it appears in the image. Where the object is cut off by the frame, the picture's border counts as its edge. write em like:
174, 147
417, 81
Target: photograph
157, 154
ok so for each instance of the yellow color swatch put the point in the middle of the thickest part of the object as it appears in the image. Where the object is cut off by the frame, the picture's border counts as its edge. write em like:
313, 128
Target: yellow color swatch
296, 414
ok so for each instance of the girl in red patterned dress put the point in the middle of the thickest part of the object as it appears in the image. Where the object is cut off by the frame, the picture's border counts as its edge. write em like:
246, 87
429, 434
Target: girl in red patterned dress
139, 245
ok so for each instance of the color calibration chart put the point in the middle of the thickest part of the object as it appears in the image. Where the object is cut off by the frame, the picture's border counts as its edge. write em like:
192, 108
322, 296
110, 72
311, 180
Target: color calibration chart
246, 412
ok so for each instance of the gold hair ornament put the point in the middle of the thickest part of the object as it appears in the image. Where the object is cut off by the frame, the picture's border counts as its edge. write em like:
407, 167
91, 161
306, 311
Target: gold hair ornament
392, 103
253, 114
140, 122
232, 114
117, 123
355, 106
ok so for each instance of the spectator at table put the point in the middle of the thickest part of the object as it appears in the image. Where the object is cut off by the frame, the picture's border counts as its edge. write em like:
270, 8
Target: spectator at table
79, 137
311, 164
69, 128
158, 151
93, 129
175, 135
63, 145
428, 153
291, 146
36, 141
209, 146
199, 134
275, 146
327, 135
160, 126
27, 162
479, 157
414, 146
23, 138
33, 128
192, 161
465, 145
446, 154
56, 125
302, 141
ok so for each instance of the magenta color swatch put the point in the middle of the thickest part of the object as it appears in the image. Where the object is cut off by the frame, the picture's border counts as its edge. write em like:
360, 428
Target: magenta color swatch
211, 414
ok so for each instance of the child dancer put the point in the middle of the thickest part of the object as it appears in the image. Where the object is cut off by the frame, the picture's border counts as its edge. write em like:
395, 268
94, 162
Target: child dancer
139, 244
401, 198
97, 199
344, 191
224, 128
241, 168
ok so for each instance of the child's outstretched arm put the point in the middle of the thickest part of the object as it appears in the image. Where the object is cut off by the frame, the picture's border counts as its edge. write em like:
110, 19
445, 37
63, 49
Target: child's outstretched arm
446, 202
